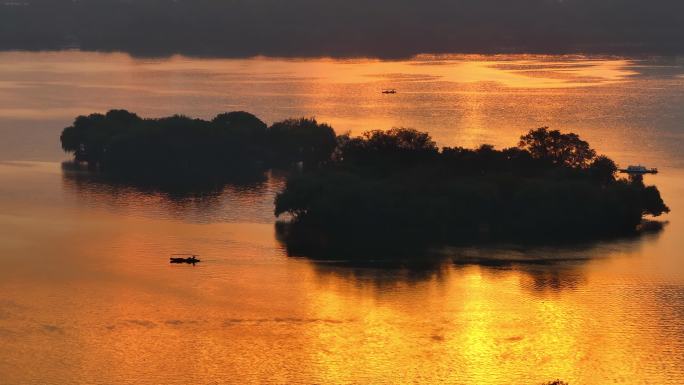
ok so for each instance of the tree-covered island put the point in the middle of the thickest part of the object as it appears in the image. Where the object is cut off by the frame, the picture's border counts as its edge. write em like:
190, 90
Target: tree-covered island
394, 184
180, 149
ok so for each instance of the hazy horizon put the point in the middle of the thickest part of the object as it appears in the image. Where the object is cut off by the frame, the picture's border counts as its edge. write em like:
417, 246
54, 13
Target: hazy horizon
336, 28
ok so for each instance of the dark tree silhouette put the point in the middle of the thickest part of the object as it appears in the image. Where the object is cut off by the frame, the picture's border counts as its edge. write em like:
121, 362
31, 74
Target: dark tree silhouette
301, 140
241, 124
393, 147
603, 169
184, 150
89, 136
557, 148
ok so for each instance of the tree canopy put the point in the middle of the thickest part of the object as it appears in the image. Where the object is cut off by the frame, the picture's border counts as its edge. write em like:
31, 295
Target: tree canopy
179, 147
302, 140
396, 184
558, 148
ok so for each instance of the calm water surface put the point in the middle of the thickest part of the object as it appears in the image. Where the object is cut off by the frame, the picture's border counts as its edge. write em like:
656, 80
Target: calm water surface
87, 295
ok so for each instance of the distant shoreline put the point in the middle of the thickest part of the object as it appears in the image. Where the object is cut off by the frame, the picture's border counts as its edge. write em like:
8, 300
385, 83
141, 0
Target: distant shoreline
579, 54
344, 28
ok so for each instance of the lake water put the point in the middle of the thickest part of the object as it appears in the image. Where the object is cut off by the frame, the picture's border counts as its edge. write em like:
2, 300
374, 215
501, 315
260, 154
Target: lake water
87, 294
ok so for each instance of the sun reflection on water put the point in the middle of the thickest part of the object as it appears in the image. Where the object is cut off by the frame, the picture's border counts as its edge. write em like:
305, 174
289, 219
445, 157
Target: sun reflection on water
88, 295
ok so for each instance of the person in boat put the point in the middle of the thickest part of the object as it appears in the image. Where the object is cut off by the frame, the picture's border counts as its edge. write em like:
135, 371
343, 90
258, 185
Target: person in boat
179, 258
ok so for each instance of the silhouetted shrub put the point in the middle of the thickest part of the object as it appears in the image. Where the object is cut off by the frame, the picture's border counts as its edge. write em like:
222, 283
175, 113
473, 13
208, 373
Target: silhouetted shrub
557, 148
301, 140
380, 151
90, 135
603, 169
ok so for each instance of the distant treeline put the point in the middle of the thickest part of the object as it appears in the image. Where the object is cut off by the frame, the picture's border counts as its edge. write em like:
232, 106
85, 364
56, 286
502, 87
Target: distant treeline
383, 185
379, 28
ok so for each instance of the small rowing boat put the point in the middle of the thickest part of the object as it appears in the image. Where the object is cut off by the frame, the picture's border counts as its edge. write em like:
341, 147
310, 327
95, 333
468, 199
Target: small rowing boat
184, 258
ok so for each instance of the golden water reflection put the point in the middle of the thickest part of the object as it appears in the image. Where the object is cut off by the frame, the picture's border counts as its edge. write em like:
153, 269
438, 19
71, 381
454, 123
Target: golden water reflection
88, 296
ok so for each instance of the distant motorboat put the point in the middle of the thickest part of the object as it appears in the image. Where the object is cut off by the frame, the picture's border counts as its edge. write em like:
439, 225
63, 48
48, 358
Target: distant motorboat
184, 258
389, 91
638, 170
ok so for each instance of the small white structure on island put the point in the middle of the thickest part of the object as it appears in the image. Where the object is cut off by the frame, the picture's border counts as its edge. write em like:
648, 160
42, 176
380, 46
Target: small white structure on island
638, 170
